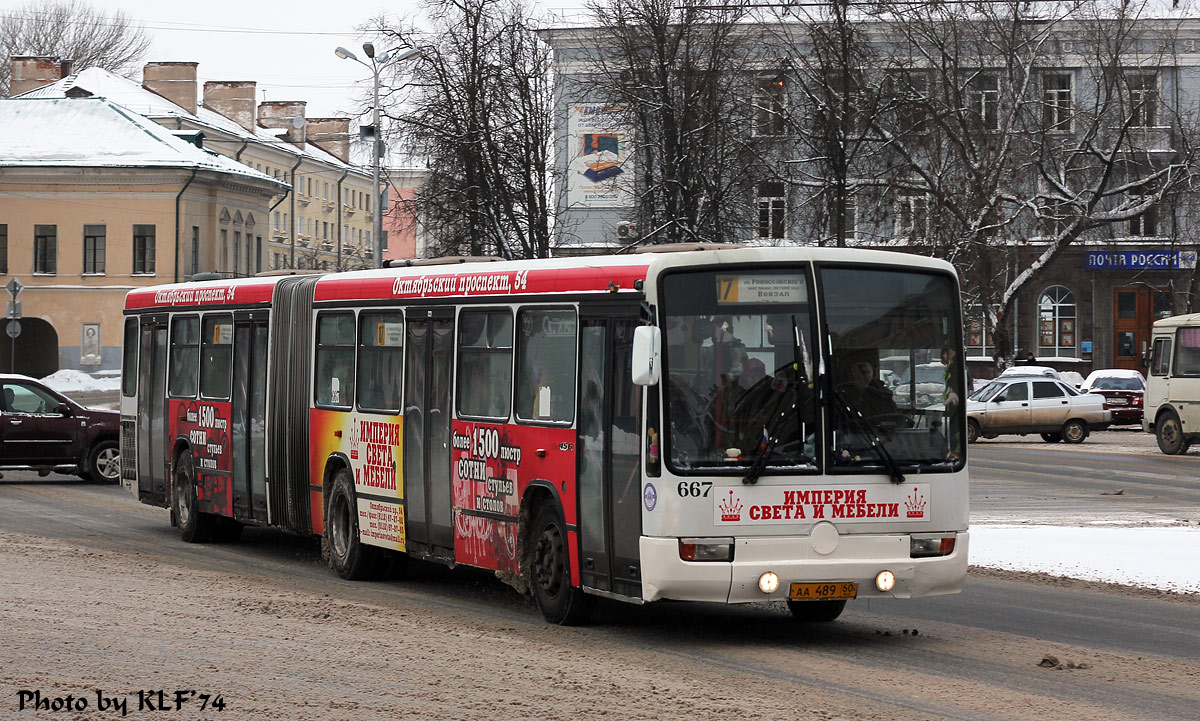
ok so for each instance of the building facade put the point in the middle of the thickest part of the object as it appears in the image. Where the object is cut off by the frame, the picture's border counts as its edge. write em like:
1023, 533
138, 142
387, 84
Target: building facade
1088, 306
106, 202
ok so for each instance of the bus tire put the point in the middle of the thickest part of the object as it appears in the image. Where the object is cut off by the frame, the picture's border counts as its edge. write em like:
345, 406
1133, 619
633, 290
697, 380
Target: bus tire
550, 572
972, 430
816, 611
348, 556
194, 526
1169, 432
1074, 431
104, 463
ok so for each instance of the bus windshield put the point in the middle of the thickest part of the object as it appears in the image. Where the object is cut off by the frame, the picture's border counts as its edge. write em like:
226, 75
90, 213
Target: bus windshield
739, 370
895, 370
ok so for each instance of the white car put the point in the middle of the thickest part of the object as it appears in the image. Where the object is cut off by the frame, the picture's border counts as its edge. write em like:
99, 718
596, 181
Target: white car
1035, 404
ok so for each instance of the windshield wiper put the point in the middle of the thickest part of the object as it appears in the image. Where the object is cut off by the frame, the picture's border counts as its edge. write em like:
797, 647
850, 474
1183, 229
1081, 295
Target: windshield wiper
865, 426
770, 431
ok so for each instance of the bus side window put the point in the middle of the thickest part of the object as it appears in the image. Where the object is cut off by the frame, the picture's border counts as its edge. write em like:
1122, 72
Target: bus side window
485, 340
129, 359
335, 360
185, 357
1161, 359
546, 366
216, 351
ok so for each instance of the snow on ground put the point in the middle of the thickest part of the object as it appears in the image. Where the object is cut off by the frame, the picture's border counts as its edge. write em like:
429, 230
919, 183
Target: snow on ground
1165, 558
71, 380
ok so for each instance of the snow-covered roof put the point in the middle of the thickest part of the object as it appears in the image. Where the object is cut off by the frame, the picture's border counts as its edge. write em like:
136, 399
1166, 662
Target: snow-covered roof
95, 132
128, 93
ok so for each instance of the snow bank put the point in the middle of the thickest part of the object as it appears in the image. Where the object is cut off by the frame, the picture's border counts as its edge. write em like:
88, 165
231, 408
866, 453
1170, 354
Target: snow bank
1163, 558
66, 380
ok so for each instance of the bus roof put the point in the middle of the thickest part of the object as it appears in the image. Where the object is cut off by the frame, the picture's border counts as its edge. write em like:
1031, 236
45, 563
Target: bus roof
1176, 321
543, 276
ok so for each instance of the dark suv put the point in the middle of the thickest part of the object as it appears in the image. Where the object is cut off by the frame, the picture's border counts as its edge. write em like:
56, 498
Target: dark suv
43, 429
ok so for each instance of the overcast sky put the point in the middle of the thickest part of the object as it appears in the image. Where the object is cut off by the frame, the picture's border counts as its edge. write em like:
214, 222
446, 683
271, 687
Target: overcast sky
286, 47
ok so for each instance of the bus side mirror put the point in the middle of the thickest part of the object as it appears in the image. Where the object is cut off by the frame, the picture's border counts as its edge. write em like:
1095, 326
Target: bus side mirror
647, 354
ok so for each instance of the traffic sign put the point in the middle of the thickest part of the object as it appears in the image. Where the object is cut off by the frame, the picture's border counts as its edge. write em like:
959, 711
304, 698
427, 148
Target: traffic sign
14, 287
14, 309
13, 329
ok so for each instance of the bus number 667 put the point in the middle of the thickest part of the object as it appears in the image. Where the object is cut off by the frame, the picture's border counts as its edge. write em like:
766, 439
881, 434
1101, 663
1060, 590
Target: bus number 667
694, 489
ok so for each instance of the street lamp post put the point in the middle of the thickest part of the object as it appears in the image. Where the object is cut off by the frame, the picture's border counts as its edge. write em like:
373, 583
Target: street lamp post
376, 64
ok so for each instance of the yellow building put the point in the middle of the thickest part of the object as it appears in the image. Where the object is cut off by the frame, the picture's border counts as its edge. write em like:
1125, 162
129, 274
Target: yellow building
96, 200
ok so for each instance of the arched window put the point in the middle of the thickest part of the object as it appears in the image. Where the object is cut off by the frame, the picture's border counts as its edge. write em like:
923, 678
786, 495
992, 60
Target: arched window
1056, 323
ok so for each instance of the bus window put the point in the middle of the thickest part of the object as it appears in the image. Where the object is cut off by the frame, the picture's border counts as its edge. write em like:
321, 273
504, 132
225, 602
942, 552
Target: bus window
185, 356
129, 358
485, 341
1162, 357
216, 367
335, 360
380, 361
546, 366
1187, 353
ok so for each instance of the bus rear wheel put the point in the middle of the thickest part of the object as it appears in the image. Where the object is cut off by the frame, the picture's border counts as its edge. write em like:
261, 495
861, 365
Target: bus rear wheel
194, 526
550, 575
348, 556
816, 611
1169, 432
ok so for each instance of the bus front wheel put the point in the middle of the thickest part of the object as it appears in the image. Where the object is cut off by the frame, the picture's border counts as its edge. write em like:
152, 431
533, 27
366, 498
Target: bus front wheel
348, 556
194, 526
816, 611
559, 601
1169, 431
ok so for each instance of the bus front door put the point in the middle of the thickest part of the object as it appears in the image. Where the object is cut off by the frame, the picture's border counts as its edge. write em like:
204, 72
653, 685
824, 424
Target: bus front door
610, 489
429, 357
152, 425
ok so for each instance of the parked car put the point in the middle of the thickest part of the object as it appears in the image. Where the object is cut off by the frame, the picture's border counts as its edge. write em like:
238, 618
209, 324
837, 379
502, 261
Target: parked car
44, 430
1022, 370
1035, 404
929, 389
1124, 392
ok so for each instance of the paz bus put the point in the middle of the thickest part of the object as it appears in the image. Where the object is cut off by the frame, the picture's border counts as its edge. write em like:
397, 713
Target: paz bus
1173, 383
706, 423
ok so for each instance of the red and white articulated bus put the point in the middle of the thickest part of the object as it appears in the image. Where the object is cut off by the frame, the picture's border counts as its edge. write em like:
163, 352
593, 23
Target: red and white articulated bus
722, 424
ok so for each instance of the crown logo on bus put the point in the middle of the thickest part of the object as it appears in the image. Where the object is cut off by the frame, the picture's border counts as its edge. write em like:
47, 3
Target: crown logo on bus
915, 503
731, 509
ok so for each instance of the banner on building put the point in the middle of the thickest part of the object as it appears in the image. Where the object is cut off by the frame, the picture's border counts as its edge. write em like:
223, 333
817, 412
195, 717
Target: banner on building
599, 166
1140, 259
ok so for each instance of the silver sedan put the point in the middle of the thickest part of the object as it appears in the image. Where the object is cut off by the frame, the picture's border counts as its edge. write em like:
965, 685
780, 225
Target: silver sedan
1035, 404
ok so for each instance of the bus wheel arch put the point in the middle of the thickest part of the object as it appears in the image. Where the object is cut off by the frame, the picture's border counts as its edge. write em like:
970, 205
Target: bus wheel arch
549, 563
194, 526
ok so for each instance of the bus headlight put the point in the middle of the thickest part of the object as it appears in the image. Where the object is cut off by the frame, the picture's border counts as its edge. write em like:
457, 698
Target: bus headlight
768, 582
925, 546
885, 581
706, 549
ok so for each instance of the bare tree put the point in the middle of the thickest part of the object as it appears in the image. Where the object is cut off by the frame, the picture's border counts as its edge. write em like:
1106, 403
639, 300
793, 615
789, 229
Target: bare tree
73, 30
675, 72
480, 114
1015, 158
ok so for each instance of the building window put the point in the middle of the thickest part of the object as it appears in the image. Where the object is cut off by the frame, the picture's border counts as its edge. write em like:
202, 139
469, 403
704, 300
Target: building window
1054, 214
984, 99
979, 341
93, 249
911, 90
195, 250
275, 221
237, 252
770, 104
1056, 94
45, 249
143, 249
3, 248
1145, 223
772, 208
912, 215
1056, 327
1143, 99
258, 254
383, 240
